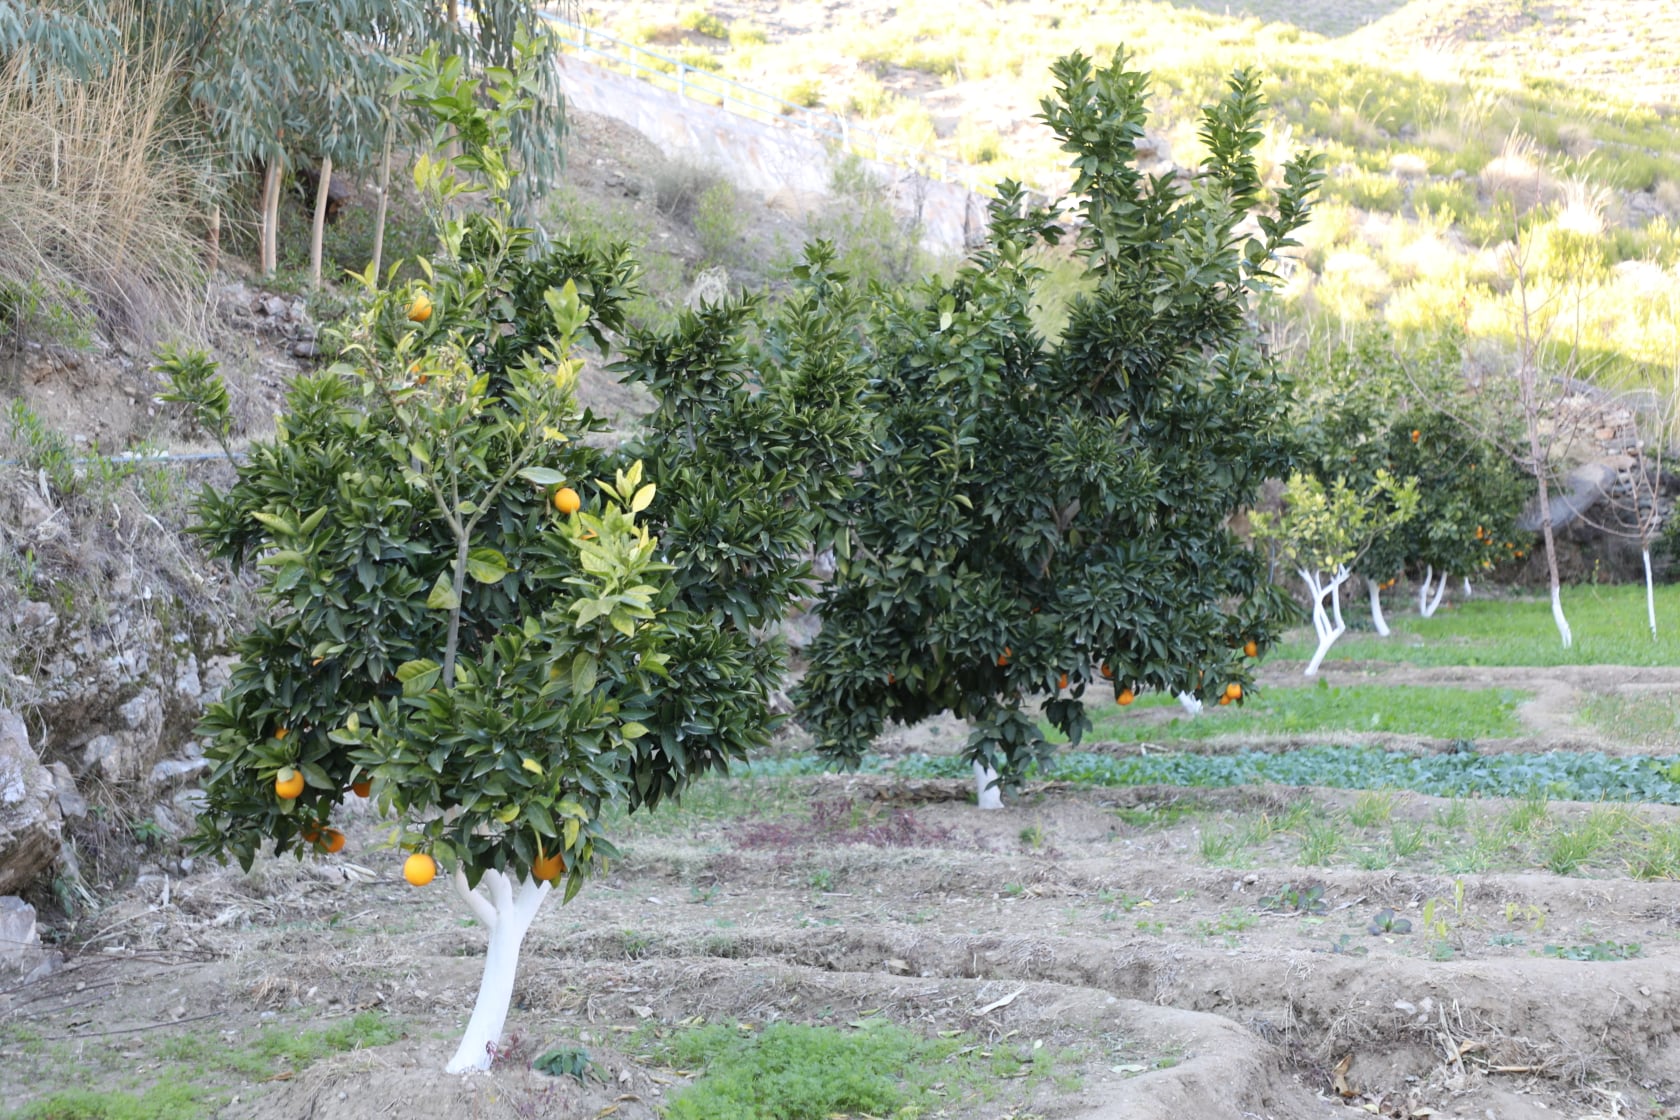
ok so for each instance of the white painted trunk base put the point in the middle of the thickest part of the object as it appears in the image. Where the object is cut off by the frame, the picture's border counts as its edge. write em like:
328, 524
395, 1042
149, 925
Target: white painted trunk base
1650, 594
1327, 611
1562, 622
506, 917
987, 793
1427, 603
1192, 706
1467, 592
1377, 619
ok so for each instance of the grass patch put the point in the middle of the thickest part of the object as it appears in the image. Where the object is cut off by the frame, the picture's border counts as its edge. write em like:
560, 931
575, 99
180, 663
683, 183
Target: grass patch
166, 1101
793, 1072
1608, 625
1435, 711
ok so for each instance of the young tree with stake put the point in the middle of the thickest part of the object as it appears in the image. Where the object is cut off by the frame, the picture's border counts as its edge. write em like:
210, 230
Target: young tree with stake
478, 618
1044, 517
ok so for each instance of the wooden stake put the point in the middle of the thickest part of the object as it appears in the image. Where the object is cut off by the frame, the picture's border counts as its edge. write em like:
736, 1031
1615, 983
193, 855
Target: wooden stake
384, 202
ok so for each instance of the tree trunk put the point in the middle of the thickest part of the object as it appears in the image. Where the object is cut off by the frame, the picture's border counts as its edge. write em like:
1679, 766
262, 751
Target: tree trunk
1550, 541
1377, 619
384, 204
506, 918
1428, 603
986, 790
1467, 592
270, 207
318, 229
1191, 704
1327, 623
215, 239
1650, 594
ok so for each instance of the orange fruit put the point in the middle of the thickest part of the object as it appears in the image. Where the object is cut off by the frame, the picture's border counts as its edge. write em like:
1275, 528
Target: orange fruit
1063, 683
546, 869
1416, 435
421, 309
1251, 648
1224, 700
566, 500
1233, 691
1125, 697
361, 787
280, 733
311, 833
332, 840
288, 784
1003, 658
419, 869
1108, 674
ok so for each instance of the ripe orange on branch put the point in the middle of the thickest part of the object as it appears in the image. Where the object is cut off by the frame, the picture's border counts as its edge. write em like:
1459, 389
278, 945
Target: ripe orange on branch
1125, 697
288, 784
546, 869
1233, 691
566, 500
419, 869
1251, 648
421, 309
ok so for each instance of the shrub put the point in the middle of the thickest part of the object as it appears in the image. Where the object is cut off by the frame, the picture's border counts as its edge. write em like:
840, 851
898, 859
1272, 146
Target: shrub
719, 224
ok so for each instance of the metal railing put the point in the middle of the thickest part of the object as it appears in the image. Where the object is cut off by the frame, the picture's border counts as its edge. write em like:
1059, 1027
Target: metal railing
698, 84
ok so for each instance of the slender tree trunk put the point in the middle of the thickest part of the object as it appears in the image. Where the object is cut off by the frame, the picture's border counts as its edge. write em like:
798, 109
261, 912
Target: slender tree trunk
384, 204
1429, 603
1467, 592
318, 229
1377, 619
1650, 593
1549, 541
215, 239
1191, 704
270, 207
987, 793
506, 917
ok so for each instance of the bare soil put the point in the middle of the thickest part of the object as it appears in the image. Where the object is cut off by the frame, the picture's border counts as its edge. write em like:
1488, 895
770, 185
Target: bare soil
1080, 929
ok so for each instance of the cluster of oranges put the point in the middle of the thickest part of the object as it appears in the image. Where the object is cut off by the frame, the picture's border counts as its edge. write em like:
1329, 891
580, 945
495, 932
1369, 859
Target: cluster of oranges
289, 785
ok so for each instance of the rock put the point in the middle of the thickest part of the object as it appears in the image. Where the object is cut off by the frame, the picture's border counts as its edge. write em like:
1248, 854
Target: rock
274, 307
20, 942
128, 752
187, 683
1580, 491
711, 286
71, 804
173, 770
34, 617
303, 348
30, 825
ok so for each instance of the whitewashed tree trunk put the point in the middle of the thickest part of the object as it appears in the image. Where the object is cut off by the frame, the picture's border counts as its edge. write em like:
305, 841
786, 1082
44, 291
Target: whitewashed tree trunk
1467, 592
1562, 622
986, 790
1377, 619
1427, 602
1191, 704
1327, 619
1650, 593
506, 917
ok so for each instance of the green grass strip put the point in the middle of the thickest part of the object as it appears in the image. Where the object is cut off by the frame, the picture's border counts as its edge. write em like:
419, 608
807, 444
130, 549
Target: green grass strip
1436, 711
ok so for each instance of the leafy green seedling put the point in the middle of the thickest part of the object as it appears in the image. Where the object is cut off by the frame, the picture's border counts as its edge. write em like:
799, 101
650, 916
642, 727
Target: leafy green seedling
1304, 899
567, 1061
1386, 922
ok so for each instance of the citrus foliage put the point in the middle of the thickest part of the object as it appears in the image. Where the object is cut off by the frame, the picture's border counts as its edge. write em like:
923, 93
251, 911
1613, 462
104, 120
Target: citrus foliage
1034, 510
1370, 408
500, 669
1328, 528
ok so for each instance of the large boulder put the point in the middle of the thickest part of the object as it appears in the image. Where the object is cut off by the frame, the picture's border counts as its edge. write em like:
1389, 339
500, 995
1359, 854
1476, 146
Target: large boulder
30, 823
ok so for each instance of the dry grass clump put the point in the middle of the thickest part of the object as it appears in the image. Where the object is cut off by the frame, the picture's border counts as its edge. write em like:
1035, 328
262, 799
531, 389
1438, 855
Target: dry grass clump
100, 199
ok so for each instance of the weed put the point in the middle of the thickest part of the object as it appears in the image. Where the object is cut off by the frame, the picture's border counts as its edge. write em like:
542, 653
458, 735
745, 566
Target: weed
719, 224
1321, 841
1372, 809
567, 1061
1304, 899
1406, 839
170, 1100
1598, 951
1032, 837
1222, 849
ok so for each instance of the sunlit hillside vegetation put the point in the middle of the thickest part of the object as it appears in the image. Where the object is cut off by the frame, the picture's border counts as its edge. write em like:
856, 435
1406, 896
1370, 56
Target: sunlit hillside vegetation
1455, 131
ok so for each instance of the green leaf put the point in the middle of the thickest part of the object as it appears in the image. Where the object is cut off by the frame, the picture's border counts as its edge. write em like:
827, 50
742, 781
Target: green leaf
486, 565
542, 476
584, 672
633, 730
532, 765
443, 597
418, 677
643, 498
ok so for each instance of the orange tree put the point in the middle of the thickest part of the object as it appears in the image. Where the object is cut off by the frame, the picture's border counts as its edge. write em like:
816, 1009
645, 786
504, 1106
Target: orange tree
497, 628
1045, 517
